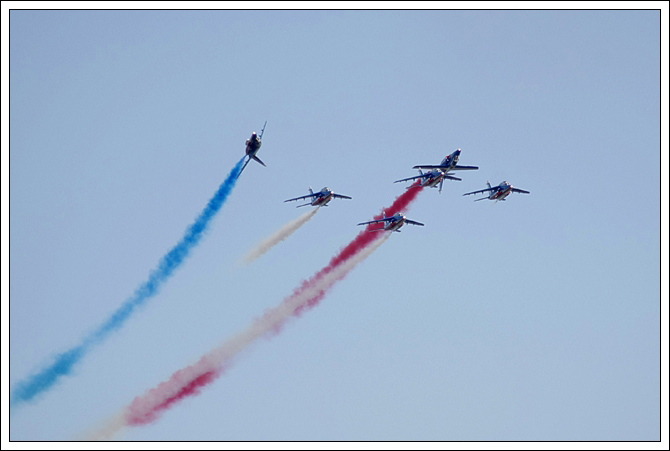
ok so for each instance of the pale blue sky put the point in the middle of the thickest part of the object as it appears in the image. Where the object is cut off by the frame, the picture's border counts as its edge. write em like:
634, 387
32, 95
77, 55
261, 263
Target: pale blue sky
532, 319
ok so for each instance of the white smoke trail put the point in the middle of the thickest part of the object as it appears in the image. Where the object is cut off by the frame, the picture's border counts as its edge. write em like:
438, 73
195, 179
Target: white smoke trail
278, 236
142, 409
275, 317
107, 431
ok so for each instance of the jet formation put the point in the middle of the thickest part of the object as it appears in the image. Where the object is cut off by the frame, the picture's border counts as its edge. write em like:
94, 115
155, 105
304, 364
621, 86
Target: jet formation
435, 176
439, 172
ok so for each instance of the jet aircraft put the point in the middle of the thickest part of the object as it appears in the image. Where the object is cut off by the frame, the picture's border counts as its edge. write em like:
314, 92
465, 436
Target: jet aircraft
448, 164
391, 224
430, 179
499, 192
253, 144
319, 199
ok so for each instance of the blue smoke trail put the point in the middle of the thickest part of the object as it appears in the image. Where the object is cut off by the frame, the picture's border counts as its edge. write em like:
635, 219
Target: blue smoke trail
44, 380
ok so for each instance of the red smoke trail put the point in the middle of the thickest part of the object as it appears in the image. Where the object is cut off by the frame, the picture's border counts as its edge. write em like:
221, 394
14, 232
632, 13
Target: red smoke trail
191, 388
188, 381
362, 239
183, 383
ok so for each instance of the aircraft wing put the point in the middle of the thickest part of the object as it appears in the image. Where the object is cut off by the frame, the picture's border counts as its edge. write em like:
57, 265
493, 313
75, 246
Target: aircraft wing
409, 178
409, 221
301, 197
480, 191
451, 177
431, 166
517, 190
463, 168
374, 222
340, 196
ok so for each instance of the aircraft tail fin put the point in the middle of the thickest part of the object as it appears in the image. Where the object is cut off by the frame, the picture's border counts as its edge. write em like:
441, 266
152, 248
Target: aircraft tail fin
258, 159
310, 190
488, 184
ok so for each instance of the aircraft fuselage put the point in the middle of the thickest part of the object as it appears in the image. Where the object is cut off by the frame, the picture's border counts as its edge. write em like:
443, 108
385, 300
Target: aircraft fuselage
398, 221
502, 192
451, 160
434, 178
322, 199
253, 144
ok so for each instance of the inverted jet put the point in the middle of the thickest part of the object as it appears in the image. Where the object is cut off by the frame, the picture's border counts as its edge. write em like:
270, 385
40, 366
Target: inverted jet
448, 164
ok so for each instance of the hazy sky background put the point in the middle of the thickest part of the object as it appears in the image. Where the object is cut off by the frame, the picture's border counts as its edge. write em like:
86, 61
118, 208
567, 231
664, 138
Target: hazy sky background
536, 318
